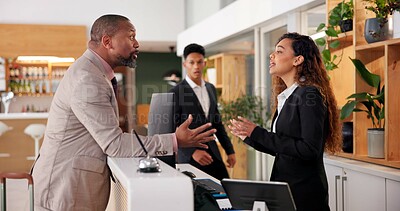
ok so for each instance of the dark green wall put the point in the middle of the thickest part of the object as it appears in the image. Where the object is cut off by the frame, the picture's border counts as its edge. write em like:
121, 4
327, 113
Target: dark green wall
149, 74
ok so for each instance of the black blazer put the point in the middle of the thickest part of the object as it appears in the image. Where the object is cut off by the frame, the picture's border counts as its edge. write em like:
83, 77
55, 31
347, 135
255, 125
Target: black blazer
298, 147
186, 102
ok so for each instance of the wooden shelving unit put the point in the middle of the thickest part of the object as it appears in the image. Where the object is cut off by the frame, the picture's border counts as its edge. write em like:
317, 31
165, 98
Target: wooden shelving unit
50, 75
381, 58
40, 40
231, 84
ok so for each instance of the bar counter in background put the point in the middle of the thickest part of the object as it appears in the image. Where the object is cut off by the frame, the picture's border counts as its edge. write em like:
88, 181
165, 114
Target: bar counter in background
15, 146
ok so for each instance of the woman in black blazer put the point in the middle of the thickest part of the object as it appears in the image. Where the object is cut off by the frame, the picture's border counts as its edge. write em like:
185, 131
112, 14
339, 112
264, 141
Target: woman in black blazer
305, 124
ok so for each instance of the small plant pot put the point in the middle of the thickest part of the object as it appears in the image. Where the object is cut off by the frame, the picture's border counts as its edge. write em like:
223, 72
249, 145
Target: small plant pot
376, 143
374, 31
346, 25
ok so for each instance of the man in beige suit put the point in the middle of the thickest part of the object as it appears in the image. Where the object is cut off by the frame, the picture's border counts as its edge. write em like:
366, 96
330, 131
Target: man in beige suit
71, 172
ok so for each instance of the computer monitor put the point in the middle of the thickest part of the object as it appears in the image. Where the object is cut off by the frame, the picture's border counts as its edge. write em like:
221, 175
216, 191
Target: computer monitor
243, 193
161, 114
161, 119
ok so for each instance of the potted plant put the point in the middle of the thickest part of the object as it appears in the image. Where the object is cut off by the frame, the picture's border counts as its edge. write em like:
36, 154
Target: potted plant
250, 107
247, 106
340, 16
376, 29
373, 105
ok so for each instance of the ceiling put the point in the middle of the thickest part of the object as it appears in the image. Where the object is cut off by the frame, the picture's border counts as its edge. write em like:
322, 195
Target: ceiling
163, 47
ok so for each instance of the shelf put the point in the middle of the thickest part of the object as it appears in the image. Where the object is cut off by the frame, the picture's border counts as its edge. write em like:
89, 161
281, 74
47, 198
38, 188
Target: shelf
33, 63
36, 74
30, 78
343, 37
383, 162
378, 45
61, 64
33, 94
345, 155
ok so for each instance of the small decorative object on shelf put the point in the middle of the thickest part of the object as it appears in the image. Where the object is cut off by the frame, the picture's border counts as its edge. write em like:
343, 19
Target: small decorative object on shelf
342, 16
373, 107
376, 29
34, 77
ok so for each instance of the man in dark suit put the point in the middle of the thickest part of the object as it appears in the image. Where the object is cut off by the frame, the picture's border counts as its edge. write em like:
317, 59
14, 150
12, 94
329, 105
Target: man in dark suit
197, 97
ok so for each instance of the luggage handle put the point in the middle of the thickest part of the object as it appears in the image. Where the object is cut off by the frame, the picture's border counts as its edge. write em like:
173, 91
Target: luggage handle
13, 175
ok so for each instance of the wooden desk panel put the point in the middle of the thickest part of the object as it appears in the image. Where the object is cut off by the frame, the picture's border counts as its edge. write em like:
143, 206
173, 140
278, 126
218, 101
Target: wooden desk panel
18, 145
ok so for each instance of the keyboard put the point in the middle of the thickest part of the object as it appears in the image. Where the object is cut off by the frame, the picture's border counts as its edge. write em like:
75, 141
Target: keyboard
210, 186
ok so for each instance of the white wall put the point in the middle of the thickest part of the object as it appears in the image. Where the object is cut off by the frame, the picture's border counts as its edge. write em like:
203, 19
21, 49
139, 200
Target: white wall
155, 20
237, 17
198, 10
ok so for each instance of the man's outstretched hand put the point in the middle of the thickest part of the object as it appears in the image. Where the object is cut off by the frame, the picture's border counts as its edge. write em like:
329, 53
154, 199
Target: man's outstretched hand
194, 137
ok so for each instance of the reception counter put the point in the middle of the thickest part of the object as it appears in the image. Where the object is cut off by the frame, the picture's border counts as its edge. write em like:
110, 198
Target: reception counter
134, 190
17, 149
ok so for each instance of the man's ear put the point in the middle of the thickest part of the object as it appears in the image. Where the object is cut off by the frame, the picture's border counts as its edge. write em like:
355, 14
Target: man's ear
299, 60
106, 41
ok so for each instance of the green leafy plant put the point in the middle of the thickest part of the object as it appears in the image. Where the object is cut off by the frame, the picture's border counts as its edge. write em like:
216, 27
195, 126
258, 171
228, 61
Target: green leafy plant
246, 106
342, 11
330, 61
382, 9
373, 104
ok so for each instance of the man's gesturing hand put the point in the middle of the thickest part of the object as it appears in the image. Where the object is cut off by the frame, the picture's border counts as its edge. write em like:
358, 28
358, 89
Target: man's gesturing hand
193, 137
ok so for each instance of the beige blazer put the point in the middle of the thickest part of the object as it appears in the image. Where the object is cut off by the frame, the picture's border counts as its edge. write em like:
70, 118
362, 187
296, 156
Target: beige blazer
82, 130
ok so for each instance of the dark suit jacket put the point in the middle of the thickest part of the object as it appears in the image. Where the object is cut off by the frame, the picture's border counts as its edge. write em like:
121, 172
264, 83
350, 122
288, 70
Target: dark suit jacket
298, 147
186, 102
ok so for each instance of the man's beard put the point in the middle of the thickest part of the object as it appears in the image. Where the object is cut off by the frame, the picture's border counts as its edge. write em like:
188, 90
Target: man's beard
129, 62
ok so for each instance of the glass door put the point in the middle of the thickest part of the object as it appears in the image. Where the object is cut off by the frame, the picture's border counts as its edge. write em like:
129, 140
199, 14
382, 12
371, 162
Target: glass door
268, 37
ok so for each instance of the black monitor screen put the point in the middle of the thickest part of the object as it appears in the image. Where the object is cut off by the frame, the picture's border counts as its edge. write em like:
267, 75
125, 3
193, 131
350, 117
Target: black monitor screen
243, 193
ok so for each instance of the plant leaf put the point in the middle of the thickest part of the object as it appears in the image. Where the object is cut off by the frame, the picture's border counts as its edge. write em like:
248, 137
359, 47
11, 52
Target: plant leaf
334, 44
371, 79
347, 109
321, 26
361, 95
331, 32
326, 54
320, 41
